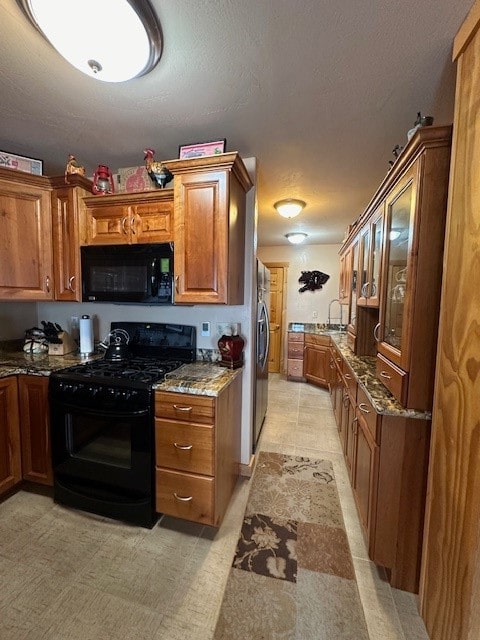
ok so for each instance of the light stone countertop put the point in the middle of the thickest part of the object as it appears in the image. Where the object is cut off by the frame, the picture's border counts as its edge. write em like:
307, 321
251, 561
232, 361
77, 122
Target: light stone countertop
364, 369
198, 378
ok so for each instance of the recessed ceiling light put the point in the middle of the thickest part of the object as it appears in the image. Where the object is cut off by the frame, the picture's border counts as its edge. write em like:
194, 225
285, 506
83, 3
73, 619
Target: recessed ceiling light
296, 238
290, 207
109, 43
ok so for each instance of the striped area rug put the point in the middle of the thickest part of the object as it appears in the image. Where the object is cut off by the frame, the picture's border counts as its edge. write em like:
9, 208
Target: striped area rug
292, 576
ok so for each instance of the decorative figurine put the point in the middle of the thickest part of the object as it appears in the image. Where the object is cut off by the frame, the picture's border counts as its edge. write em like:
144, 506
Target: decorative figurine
73, 167
421, 121
102, 181
157, 172
397, 150
312, 280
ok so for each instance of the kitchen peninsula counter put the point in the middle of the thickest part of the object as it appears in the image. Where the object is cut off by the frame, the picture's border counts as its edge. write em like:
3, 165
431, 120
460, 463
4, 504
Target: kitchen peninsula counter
198, 378
364, 369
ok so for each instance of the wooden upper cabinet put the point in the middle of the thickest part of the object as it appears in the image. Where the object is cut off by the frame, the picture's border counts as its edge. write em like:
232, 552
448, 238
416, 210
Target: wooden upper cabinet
129, 218
67, 224
370, 257
26, 270
415, 210
210, 228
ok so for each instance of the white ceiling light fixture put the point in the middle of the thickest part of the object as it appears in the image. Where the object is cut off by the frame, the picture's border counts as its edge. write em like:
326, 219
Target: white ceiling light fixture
290, 207
296, 238
109, 43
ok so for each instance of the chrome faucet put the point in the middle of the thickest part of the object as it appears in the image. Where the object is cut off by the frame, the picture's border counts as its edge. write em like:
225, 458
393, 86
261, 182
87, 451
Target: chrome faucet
340, 324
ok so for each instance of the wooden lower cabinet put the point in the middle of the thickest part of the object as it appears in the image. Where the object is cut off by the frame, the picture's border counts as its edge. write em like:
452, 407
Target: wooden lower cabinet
10, 448
197, 444
295, 346
316, 359
35, 429
365, 473
387, 460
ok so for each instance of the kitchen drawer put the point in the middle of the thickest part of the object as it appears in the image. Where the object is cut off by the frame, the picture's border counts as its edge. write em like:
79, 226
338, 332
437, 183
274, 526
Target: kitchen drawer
184, 446
296, 337
393, 378
295, 369
322, 341
350, 381
185, 495
295, 351
184, 406
370, 416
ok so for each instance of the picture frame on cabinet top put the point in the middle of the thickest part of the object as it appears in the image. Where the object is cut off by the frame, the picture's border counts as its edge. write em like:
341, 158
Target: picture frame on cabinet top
201, 149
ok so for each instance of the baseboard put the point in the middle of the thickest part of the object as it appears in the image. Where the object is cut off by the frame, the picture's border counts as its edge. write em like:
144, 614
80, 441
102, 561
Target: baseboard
247, 469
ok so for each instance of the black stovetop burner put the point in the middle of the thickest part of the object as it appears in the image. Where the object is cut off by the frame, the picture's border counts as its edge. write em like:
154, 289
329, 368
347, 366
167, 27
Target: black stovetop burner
155, 350
147, 370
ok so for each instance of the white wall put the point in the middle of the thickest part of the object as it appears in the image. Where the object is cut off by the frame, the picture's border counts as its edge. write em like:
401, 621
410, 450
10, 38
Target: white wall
309, 306
15, 318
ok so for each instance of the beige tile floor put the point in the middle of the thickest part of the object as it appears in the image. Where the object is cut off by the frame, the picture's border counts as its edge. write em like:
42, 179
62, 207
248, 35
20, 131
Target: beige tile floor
67, 575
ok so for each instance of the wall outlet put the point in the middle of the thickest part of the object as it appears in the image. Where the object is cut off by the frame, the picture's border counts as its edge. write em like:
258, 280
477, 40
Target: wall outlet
315, 315
205, 331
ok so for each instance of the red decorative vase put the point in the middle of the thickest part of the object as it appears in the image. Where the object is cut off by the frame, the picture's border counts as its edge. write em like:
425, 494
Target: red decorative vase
231, 350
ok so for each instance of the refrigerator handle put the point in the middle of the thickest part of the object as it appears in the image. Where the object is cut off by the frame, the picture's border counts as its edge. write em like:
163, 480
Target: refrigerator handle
267, 329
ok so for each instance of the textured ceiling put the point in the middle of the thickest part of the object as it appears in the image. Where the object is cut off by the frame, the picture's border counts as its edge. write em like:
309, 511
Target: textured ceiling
319, 91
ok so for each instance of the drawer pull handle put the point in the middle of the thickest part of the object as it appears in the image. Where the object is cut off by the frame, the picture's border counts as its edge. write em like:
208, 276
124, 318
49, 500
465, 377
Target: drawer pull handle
182, 498
183, 447
71, 280
364, 407
348, 376
384, 374
179, 408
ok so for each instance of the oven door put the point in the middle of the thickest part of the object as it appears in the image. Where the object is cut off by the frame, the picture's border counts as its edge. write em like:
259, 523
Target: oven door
103, 461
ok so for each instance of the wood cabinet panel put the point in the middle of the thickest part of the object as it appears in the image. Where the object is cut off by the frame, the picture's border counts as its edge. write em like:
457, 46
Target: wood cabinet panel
209, 228
25, 231
387, 460
67, 230
184, 406
365, 470
294, 369
450, 590
196, 478
129, 218
35, 429
316, 362
10, 447
186, 447
185, 495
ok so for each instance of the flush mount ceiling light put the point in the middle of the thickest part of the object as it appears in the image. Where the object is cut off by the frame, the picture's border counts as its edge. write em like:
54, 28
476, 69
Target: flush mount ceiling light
296, 238
289, 208
109, 43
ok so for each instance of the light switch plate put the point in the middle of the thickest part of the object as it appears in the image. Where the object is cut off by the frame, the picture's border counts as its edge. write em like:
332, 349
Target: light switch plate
205, 329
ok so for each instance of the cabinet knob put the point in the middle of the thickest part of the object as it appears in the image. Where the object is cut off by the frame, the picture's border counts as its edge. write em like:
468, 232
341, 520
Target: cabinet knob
47, 283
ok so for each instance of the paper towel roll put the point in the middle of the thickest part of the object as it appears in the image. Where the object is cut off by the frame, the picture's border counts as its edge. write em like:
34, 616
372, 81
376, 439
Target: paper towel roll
86, 335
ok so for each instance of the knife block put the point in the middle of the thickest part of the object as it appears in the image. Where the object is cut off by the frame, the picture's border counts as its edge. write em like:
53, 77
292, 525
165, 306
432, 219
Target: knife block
67, 345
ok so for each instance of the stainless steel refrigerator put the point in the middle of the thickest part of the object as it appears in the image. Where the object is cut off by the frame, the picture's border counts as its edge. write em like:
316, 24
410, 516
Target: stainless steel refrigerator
261, 349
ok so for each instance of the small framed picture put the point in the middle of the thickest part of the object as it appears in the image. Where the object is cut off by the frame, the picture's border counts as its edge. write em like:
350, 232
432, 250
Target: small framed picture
200, 149
21, 163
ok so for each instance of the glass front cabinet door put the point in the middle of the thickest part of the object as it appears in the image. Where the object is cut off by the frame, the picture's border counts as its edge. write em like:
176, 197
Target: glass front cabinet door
395, 313
370, 261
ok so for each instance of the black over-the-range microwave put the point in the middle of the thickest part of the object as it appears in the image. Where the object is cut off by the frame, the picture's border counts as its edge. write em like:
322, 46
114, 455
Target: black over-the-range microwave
133, 273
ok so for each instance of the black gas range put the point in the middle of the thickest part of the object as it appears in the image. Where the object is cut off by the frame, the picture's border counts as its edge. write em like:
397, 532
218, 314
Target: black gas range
102, 421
